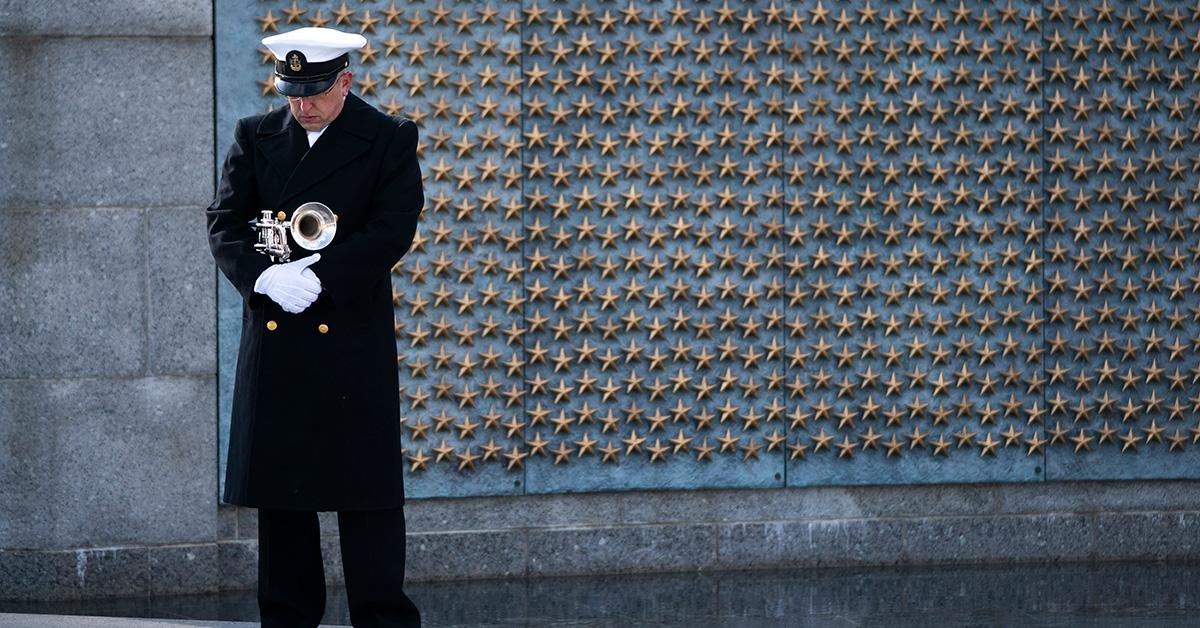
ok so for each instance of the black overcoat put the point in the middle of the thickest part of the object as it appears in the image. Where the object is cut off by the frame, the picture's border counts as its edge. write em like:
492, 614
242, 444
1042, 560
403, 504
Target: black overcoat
315, 421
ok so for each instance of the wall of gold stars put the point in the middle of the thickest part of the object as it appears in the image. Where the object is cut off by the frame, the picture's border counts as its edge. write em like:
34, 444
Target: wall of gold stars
765, 243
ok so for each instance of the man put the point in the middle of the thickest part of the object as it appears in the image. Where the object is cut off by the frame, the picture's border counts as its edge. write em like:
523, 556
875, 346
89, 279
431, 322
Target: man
315, 423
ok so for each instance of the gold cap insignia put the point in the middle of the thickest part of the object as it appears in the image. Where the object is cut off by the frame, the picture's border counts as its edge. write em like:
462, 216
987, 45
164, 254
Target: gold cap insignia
294, 63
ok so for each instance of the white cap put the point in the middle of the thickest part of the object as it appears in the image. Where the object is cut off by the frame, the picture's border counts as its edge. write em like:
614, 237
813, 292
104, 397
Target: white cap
308, 60
317, 44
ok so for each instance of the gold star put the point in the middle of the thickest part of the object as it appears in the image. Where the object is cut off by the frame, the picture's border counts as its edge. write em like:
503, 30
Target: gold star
680, 442
418, 460
846, 447
269, 22
515, 457
562, 453
537, 446
728, 441
798, 450
268, 85
443, 451
988, 445
1057, 433
1153, 432
491, 450
392, 15
658, 451
294, 13
750, 449
318, 19
633, 442
466, 459
585, 445
1130, 440
1012, 436
367, 22
1082, 441
1035, 444
821, 440
1178, 440
343, 15
608, 453
366, 85
894, 446
941, 445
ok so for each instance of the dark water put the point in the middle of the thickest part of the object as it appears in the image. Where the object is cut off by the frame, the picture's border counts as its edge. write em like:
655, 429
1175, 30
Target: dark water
1085, 594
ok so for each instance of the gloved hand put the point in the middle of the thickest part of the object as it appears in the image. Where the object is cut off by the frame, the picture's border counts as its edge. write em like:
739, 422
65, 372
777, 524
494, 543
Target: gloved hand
292, 285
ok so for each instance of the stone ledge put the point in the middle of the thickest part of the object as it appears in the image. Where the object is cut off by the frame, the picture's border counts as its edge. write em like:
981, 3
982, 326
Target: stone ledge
656, 533
21, 620
602, 510
104, 572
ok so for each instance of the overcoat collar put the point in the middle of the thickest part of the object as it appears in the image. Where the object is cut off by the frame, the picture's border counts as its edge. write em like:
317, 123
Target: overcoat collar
284, 144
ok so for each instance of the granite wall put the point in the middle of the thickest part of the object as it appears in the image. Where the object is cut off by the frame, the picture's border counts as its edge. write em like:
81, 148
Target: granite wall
107, 350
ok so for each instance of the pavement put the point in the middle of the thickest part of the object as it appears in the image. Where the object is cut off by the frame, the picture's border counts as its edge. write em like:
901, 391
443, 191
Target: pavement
17, 620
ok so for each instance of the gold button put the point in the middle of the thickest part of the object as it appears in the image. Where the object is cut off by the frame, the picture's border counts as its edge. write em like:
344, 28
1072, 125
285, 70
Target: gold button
323, 328
281, 216
272, 325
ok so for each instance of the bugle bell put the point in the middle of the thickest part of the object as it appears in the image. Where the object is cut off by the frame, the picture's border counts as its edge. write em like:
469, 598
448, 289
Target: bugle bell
312, 227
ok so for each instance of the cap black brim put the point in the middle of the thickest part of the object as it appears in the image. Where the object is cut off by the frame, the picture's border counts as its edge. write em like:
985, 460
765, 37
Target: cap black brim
303, 89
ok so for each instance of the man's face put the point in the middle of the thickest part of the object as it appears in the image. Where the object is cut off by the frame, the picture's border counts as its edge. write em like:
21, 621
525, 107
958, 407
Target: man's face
316, 112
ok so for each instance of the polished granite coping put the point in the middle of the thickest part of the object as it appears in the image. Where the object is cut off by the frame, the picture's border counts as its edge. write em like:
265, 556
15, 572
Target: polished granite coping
1029, 595
25, 620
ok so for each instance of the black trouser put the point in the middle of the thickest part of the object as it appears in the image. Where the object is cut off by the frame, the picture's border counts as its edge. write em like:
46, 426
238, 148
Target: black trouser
291, 574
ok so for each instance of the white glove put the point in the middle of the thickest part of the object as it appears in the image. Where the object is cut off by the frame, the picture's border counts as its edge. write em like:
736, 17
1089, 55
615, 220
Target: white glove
292, 285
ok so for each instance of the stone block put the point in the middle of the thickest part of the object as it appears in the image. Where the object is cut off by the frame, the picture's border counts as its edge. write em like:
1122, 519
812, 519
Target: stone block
247, 519
73, 574
1063, 537
133, 133
711, 506
448, 556
565, 551
73, 300
227, 523
116, 17
503, 513
923, 500
182, 305
811, 543
790, 504
988, 539
184, 569
1091, 497
237, 564
104, 462
1147, 536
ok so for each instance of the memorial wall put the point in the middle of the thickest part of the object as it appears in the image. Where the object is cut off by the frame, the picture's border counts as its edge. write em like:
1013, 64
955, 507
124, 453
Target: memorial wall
766, 244
699, 285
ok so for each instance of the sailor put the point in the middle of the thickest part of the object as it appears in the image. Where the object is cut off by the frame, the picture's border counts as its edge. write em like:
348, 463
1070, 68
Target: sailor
315, 423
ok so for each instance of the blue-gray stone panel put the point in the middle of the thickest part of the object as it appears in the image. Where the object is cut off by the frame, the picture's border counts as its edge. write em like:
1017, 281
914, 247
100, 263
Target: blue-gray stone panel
910, 242
1122, 353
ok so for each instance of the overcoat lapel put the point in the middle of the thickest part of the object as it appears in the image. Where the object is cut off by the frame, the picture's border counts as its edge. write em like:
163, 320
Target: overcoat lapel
283, 143
347, 137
